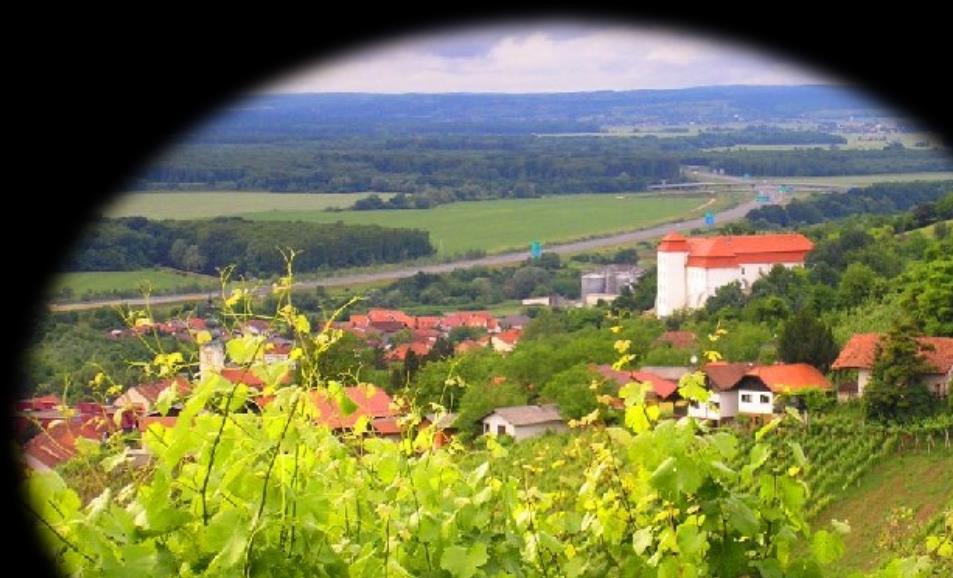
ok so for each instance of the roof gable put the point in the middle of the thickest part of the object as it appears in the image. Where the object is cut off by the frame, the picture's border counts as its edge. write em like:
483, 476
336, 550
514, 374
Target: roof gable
861, 349
527, 414
734, 250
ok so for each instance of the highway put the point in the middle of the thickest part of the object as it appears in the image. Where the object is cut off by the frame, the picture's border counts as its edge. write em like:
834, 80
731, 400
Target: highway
500, 259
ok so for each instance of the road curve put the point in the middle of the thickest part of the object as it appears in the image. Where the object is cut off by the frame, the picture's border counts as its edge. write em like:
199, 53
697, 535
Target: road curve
500, 259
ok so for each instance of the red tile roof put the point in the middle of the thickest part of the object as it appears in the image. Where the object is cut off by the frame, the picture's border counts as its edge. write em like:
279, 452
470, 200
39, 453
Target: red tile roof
428, 322
860, 351
248, 377
57, 444
662, 387
734, 250
673, 241
510, 336
390, 315
679, 339
723, 376
371, 401
165, 421
386, 426
470, 319
790, 377
399, 353
151, 391
39, 403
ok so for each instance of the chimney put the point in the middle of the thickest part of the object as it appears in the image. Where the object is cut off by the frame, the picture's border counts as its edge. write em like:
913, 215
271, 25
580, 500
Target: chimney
211, 358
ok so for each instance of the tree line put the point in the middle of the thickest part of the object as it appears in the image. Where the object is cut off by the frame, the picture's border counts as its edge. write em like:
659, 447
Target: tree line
251, 246
932, 201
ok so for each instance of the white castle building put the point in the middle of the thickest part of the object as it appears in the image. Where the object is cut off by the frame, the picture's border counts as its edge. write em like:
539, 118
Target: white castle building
690, 269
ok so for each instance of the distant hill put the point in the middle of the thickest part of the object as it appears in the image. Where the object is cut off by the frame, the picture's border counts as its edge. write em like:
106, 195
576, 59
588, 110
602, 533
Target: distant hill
274, 117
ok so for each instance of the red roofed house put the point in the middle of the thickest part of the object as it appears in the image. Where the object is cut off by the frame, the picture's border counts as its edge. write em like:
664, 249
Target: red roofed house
372, 402
860, 352
480, 319
679, 339
57, 443
746, 389
399, 352
505, 341
662, 389
690, 269
143, 396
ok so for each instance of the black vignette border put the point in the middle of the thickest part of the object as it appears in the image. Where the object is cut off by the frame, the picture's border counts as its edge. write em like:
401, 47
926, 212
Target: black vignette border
111, 93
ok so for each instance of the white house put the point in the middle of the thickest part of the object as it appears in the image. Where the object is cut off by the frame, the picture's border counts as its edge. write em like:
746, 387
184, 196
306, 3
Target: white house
861, 350
691, 269
747, 389
523, 421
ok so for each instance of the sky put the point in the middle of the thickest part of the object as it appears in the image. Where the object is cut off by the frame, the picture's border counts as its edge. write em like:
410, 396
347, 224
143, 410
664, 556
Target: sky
546, 57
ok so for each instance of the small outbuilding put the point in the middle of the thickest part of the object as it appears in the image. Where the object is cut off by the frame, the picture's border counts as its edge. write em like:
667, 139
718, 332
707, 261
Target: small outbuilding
523, 421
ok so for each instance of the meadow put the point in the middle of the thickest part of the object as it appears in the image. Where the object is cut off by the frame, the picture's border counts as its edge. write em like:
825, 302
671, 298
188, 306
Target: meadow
864, 180
209, 204
107, 282
499, 225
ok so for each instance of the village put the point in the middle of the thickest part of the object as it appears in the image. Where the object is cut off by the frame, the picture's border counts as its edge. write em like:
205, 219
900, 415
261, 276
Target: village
690, 271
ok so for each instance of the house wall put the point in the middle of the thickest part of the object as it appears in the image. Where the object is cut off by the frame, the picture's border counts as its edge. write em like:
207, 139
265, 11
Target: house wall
702, 283
705, 410
729, 403
863, 378
671, 282
495, 420
755, 405
749, 273
500, 345
527, 431
681, 286
937, 384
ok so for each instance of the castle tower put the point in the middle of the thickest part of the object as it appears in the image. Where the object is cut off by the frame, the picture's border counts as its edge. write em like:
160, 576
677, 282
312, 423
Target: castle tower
672, 278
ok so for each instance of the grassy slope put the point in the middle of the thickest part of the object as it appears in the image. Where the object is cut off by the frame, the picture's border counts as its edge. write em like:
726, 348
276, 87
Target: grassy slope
208, 204
919, 481
104, 281
498, 225
928, 230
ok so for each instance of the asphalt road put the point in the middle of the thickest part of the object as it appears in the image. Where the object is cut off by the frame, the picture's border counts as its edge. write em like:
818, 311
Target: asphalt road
500, 259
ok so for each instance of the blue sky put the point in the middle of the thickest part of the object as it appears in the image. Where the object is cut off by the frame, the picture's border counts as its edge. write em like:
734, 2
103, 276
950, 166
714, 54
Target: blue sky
547, 56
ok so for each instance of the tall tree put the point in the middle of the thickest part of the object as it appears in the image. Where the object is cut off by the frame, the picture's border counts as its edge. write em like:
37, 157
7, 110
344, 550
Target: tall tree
895, 391
807, 339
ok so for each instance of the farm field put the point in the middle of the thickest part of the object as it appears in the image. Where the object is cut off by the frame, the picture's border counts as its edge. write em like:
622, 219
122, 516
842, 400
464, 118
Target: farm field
104, 282
918, 481
498, 225
862, 180
209, 204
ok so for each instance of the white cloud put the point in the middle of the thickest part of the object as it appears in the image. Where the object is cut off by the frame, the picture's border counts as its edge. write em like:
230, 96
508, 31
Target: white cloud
544, 58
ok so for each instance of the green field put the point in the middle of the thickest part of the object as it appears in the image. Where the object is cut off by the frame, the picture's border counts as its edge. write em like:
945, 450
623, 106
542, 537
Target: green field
920, 481
862, 180
106, 282
208, 204
908, 139
498, 225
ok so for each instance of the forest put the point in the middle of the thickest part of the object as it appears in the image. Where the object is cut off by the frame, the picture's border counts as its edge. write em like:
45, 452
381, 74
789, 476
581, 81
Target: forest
287, 117
252, 247
880, 199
